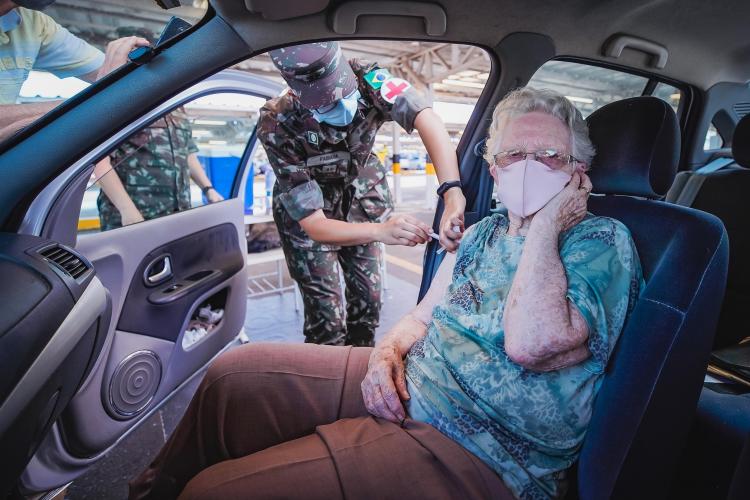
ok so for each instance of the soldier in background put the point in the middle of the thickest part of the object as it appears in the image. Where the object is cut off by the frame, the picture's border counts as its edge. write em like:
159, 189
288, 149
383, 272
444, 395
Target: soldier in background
331, 200
152, 171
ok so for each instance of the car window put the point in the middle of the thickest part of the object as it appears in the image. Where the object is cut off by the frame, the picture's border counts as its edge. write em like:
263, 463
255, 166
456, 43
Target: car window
48, 56
713, 139
668, 93
591, 87
186, 158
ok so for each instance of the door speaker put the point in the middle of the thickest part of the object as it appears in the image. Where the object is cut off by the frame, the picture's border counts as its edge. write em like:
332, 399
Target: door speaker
133, 384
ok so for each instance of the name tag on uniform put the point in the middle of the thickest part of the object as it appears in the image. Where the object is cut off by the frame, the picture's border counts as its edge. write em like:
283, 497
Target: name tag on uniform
328, 159
330, 165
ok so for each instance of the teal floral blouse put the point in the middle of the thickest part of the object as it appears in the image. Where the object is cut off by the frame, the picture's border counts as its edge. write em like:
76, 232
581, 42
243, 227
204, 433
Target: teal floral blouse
528, 426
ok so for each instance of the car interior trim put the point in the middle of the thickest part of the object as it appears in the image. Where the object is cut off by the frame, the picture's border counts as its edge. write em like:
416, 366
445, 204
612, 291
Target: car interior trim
91, 306
346, 15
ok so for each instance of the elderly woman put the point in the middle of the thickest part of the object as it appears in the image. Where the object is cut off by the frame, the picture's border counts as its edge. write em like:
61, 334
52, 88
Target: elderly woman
484, 390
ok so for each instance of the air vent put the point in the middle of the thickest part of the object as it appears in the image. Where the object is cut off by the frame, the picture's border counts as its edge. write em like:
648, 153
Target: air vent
66, 260
741, 108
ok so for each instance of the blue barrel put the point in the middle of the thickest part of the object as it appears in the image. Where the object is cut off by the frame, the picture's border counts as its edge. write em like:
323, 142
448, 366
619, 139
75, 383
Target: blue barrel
221, 167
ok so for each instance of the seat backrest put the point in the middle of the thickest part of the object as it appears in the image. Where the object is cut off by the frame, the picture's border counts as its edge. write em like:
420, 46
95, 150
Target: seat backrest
650, 390
725, 193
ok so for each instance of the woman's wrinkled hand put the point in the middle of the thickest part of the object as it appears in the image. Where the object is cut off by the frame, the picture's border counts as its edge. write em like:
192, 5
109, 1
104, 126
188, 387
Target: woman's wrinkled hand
384, 385
569, 206
403, 230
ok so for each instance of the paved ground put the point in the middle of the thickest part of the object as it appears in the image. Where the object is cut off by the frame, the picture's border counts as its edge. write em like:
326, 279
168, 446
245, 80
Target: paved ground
271, 318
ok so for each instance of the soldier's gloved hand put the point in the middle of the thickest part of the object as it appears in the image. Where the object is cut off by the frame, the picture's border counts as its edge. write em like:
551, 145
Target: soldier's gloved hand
131, 217
403, 229
453, 217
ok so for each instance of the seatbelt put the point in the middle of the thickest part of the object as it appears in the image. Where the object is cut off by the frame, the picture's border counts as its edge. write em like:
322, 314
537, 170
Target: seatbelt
690, 190
715, 165
695, 181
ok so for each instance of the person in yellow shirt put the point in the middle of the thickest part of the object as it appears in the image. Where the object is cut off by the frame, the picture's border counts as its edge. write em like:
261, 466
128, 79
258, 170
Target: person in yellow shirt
32, 40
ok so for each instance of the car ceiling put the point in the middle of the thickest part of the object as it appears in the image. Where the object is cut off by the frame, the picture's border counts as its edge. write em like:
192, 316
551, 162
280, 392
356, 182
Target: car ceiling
708, 42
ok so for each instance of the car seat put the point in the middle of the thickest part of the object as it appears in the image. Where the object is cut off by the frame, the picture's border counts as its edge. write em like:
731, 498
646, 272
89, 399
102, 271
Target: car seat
649, 392
724, 193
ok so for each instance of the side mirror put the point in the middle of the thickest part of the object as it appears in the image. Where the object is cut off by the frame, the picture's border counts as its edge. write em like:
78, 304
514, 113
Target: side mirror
174, 27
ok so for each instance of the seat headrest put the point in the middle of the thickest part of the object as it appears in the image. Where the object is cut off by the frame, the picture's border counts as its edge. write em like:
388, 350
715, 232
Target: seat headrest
741, 142
637, 144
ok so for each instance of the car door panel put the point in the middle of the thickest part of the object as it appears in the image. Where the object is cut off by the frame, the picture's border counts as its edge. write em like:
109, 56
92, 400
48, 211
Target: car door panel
157, 235
91, 424
197, 263
143, 361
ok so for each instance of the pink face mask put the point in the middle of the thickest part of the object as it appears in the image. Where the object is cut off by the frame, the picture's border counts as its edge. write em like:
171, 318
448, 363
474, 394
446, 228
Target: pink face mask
525, 186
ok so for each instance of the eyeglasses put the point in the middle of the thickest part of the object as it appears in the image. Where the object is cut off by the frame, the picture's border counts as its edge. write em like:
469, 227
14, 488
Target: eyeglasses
549, 157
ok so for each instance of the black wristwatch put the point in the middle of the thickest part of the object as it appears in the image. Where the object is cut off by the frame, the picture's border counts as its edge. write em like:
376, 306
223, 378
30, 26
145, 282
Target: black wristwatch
207, 189
446, 186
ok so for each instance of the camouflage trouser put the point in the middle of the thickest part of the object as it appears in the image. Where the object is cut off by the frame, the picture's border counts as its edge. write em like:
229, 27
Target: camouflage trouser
318, 275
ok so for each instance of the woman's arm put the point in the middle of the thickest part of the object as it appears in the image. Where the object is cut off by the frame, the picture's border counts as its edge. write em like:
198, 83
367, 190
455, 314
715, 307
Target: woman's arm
413, 326
543, 329
540, 323
384, 386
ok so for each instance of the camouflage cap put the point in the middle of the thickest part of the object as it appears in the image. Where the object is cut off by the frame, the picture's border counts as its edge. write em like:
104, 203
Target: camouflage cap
316, 72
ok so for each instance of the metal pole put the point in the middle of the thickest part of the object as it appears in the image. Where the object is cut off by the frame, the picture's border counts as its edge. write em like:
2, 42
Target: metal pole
430, 184
396, 163
429, 170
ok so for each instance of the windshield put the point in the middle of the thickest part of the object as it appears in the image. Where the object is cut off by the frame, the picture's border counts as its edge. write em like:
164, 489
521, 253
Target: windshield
49, 55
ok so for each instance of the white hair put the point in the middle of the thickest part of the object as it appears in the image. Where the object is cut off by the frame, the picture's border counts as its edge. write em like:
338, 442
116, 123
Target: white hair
526, 100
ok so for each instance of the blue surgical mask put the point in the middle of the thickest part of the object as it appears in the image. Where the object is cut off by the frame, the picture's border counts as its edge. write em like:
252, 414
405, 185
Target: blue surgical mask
341, 113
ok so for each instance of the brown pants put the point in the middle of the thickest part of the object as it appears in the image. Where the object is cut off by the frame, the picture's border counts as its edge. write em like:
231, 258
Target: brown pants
288, 421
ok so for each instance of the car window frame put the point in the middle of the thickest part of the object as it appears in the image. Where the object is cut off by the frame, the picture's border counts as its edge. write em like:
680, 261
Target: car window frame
686, 109
39, 213
244, 159
652, 80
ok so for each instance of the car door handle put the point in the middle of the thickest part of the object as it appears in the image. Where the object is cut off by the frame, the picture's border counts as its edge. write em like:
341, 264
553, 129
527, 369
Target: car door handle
180, 288
152, 277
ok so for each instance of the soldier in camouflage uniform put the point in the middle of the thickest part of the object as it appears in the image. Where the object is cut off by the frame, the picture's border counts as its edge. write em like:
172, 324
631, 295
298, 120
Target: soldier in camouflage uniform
331, 201
152, 165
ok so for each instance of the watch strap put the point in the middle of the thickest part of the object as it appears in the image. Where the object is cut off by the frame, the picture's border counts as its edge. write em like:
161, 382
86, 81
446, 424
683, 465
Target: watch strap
446, 186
